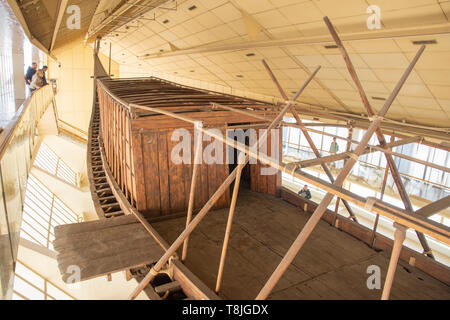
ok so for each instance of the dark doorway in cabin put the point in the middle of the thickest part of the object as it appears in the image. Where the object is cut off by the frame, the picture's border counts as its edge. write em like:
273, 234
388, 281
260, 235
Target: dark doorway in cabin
233, 153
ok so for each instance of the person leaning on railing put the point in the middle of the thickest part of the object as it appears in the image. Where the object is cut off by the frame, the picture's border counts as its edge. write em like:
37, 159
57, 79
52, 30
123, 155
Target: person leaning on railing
38, 80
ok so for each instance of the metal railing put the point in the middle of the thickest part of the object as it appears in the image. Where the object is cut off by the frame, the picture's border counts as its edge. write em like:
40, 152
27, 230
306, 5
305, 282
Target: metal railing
42, 212
47, 160
31, 285
17, 144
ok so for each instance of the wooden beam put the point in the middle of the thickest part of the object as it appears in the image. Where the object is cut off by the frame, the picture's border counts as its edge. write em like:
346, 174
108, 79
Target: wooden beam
391, 163
434, 207
229, 224
197, 161
321, 209
215, 197
399, 238
60, 11
402, 216
346, 155
322, 39
342, 156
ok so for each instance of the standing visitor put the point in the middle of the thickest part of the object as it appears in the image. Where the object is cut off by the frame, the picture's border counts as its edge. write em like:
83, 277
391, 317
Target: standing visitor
305, 193
44, 79
37, 81
334, 147
30, 73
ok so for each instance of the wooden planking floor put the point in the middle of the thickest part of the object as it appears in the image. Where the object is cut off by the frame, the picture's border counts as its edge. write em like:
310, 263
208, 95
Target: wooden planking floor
331, 265
104, 246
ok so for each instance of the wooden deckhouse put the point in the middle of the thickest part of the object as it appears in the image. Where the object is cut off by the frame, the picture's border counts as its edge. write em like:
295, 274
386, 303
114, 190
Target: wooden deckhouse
139, 144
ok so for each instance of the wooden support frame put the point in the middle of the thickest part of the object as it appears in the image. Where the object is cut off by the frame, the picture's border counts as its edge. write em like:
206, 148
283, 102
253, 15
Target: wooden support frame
399, 215
307, 136
408, 218
434, 207
391, 163
399, 238
370, 149
229, 224
405, 217
320, 210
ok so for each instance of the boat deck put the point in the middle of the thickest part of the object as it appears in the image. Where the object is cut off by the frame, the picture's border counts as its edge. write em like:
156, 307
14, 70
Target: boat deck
331, 265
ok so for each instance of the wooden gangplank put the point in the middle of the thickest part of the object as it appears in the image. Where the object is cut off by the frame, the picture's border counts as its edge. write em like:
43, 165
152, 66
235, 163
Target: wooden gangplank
105, 246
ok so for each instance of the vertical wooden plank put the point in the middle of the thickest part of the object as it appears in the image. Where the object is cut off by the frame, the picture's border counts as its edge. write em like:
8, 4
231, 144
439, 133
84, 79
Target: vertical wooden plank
111, 137
198, 195
123, 163
254, 169
128, 159
278, 181
116, 144
132, 162
151, 173
187, 174
221, 174
141, 203
176, 185
204, 186
271, 179
212, 177
163, 159
262, 179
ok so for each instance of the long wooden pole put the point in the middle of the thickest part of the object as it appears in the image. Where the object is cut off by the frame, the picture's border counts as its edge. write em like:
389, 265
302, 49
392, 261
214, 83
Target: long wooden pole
320, 210
407, 218
349, 146
336, 211
307, 136
228, 228
399, 238
197, 161
216, 196
233, 207
392, 166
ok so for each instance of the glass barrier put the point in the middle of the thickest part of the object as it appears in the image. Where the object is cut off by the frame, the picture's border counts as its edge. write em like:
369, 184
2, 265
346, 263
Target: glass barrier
17, 143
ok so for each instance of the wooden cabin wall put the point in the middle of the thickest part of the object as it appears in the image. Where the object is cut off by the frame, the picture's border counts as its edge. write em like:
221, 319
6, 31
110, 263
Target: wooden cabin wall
270, 184
162, 187
138, 152
116, 133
